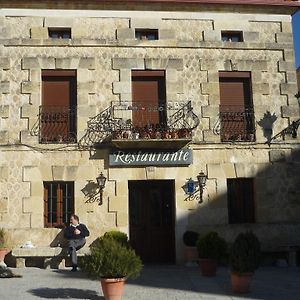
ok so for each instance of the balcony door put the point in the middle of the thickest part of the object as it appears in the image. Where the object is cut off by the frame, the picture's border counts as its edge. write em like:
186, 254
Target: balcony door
236, 109
148, 98
58, 110
152, 219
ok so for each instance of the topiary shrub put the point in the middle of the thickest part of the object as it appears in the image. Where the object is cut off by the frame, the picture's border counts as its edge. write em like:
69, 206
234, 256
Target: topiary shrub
211, 246
190, 238
2, 239
245, 253
111, 259
118, 236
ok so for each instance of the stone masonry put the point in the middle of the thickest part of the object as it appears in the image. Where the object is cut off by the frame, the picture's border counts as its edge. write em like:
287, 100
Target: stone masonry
104, 51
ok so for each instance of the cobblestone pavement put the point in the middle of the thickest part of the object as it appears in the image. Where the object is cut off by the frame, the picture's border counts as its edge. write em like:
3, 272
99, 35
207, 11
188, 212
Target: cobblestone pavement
155, 283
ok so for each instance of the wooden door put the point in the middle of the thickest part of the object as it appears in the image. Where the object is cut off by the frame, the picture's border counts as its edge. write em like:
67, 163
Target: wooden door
152, 220
148, 98
58, 115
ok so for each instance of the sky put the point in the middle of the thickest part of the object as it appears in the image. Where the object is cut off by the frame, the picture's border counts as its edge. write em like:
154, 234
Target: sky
296, 32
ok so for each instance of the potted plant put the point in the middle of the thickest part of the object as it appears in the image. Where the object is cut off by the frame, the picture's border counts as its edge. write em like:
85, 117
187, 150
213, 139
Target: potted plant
113, 261
191, 254
3, 248
244, 260
211, 247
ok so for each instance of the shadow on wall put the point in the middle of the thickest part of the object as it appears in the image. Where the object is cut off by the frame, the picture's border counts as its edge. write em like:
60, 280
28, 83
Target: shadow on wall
276, 204
277, 208
65, 293
59, 240
267, 124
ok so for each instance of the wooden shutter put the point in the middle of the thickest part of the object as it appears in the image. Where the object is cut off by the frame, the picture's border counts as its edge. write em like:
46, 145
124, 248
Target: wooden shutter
148, 94
58, 101
235, 89
235, 100
240, 193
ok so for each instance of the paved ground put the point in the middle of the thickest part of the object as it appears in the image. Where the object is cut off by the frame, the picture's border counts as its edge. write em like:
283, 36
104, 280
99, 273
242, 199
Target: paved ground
155, 283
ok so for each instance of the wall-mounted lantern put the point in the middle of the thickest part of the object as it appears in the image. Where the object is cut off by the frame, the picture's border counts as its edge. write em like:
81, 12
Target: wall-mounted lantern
101, 180
202, 182
191, 188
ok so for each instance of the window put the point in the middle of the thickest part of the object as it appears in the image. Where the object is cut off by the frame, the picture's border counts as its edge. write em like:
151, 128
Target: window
240, 194
146, 34
236, 109
59, 33
232, 36
58, 203
148, 98
58, 110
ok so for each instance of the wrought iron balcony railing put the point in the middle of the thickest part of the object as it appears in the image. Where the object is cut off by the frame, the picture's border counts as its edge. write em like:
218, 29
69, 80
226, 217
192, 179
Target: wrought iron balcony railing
57, 124
236, 124
142, 120
136, 121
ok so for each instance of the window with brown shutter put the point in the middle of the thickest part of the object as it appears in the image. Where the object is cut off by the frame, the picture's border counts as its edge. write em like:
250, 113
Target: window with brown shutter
236, 109
240, 194
58, 203
58, 109
148, 98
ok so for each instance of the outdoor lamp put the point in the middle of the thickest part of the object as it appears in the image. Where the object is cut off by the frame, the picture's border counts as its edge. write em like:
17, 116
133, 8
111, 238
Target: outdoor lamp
101, 179
202, 182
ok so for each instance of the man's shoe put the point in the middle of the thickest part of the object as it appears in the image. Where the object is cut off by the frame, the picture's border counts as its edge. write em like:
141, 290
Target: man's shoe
74, 269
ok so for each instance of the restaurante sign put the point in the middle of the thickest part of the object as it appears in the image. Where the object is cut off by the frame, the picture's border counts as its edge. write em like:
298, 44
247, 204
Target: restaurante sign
151, 158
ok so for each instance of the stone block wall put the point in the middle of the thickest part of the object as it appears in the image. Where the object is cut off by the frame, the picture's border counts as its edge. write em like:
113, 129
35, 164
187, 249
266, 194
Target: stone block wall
104, 51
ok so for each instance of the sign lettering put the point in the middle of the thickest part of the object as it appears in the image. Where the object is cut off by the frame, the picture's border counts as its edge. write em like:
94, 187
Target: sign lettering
151, 158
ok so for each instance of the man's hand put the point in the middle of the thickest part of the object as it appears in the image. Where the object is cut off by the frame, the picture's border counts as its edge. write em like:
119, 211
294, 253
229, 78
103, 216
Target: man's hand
77, 231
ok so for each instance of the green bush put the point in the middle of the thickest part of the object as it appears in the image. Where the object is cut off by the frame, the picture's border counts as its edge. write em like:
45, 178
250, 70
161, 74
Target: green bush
2, 238
190, 238
118, 236
245, 253
111, 259
211, 246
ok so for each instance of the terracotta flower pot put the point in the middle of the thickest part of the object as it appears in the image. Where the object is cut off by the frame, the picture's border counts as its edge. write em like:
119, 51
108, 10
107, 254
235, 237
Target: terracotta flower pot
3, 252
112, 288
241, 282
208, 267
191, 255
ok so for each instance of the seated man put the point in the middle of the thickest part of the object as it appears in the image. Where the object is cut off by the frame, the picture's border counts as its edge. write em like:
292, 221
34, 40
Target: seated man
75, 233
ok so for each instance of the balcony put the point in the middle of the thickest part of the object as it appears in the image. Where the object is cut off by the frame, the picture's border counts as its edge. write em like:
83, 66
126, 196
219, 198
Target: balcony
138, 125
57, 125
236, 124
144, 125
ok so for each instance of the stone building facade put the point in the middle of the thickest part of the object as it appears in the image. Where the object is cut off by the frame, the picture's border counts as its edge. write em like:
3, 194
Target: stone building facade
104, 50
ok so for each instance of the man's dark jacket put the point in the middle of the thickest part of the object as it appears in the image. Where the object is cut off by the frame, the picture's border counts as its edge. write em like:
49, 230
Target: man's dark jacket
70, 235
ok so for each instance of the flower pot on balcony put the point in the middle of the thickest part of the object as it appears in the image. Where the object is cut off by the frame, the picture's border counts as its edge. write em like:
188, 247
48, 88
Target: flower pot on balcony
166, 134
125, 135
184, 133
116, 135
145, 134
174, 134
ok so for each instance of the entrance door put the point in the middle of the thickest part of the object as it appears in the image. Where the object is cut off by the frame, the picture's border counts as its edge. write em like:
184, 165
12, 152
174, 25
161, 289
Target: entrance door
152, 220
